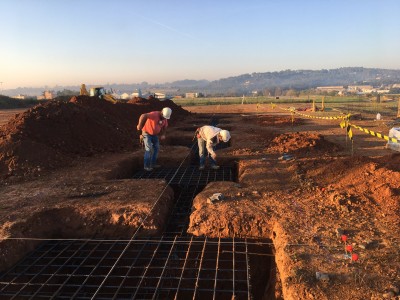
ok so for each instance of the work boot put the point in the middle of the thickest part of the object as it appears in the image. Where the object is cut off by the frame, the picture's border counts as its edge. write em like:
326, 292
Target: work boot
201, 168
214, 167
148, 169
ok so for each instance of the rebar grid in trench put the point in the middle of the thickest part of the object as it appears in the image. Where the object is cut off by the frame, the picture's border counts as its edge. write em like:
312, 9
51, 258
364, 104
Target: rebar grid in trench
187, 183
173, 266
178, 221
154, 268
187, 176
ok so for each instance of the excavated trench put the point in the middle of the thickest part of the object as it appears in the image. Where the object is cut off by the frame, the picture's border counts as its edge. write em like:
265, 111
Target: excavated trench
223, 268
171, 266
174, 265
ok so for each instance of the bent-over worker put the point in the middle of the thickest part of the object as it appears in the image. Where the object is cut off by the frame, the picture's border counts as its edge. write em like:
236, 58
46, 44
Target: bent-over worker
153, 124
207, 138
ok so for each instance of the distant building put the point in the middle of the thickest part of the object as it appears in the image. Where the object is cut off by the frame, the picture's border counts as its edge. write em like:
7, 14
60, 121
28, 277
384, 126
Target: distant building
360, 88
382, 91
191, 95
20, 97
125, 96
328, 89
48, 95
366, 89
137, 93
159, 95
24, 97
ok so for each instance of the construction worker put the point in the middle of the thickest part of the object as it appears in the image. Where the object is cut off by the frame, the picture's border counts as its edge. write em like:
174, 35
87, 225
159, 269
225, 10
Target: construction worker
153, 124
207, 138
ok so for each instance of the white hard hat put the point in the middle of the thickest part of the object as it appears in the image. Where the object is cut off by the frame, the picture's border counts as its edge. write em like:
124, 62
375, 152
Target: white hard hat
226, 136
166, 112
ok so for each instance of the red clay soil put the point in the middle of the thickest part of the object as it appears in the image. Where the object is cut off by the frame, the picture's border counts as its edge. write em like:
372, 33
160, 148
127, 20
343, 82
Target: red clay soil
305, 201
79, 209
63, 166
51, 135
300, 184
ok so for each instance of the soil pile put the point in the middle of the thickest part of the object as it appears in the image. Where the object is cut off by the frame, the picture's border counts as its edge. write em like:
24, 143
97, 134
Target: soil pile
141, 101
302, 144
366, 176
50, 135
278, 121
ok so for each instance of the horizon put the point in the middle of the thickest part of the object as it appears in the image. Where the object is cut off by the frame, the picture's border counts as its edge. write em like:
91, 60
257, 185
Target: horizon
47, 87
55, 43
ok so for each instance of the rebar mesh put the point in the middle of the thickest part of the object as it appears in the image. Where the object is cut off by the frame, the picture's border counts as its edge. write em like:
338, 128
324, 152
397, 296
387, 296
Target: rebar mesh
188, 176
156, 268
174, 266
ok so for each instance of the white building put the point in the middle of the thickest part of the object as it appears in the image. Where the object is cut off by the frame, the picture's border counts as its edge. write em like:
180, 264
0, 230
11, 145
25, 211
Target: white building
159, 95
382, 91
49, 95
20, 97
137, 93
125, 96
191, 95
359, 88
328, 89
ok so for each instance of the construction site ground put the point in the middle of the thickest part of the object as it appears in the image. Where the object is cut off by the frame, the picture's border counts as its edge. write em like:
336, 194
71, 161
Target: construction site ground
301, 183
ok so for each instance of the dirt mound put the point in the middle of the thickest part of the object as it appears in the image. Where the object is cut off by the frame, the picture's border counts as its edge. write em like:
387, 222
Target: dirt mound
140, 100
366, 176
278, 121
50, 135
391, 161
62, 98
154, 102
301, 143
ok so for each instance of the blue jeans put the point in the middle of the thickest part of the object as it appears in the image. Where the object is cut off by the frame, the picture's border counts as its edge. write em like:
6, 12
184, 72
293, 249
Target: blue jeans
202, 153
151, 146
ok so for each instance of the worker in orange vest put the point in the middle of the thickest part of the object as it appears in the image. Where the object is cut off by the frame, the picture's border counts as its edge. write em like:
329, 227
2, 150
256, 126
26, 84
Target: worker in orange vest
152, 125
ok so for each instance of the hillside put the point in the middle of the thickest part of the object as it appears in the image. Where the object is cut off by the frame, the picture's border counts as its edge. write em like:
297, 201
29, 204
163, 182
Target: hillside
246, 83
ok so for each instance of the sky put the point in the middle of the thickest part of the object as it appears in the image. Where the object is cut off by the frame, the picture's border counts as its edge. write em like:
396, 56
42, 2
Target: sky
69, 42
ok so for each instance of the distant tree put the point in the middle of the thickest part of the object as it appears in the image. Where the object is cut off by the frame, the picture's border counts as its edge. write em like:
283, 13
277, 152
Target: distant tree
7, 102
266, 92
307, 92
292, 93
66, 92
278, 91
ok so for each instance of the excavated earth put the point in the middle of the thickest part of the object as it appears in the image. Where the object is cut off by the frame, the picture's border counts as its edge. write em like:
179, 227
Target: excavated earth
66, 170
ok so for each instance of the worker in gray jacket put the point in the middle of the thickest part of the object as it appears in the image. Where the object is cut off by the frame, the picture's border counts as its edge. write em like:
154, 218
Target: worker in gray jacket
207, 138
